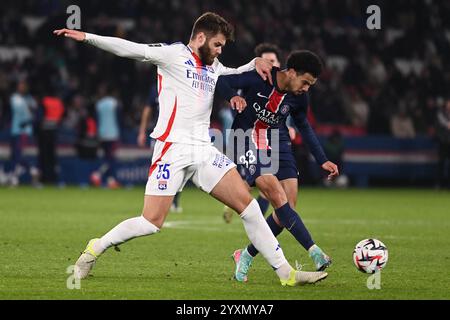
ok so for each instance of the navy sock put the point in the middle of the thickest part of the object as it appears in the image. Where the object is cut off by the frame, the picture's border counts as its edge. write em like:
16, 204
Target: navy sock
294, 224
263, 204
176, 200
276, 230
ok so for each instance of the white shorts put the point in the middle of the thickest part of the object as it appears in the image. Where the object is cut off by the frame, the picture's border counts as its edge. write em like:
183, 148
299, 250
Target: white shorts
173, 164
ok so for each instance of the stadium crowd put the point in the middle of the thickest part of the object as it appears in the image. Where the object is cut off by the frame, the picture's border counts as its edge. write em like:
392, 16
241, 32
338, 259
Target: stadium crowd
391, 81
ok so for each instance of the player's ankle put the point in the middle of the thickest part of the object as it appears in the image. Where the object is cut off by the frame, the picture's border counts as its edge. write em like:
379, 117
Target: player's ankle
284, 271
98, 248
312, 248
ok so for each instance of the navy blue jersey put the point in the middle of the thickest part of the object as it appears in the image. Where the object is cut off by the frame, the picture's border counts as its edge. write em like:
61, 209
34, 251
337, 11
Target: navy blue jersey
267, 109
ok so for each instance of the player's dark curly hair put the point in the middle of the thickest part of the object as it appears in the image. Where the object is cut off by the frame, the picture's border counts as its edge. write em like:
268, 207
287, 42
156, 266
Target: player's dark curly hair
267, 48
212, 24
304, 61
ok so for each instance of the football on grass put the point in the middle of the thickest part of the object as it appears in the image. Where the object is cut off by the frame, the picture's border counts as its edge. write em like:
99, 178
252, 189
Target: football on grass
370, 255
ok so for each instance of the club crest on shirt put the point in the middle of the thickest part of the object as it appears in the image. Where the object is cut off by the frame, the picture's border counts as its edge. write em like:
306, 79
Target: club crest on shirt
162, 185
284, 109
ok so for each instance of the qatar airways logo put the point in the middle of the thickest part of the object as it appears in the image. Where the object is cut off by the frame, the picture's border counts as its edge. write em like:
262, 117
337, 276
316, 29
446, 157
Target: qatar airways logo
265, 115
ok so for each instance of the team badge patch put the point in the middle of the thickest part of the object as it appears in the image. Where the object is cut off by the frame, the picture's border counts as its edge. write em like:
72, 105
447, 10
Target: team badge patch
252, 169
162, 185
284, 109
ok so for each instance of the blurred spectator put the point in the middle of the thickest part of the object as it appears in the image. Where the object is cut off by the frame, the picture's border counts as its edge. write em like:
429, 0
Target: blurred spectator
402, 125
377, 74
357, 109
86, 143
52, 111
406, 55
269, 51
148, 117
443, 135
107, 108
23, 110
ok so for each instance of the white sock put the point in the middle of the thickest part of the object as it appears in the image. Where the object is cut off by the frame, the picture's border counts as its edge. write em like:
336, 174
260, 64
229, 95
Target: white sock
261, 236
124, 231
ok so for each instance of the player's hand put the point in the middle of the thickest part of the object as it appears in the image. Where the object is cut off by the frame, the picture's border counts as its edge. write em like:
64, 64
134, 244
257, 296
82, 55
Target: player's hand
141, 139
238, 103
292, 133
331, 168
264, 69
72, 34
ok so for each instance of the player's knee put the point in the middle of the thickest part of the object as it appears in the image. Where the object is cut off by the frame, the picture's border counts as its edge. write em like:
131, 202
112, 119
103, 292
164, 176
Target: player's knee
276, 197
240, 199
243, 201
292, 201
156, 220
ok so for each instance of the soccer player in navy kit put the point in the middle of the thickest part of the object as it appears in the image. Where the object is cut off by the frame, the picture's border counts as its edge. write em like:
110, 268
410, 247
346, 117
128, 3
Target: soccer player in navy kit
267, 111
272, 53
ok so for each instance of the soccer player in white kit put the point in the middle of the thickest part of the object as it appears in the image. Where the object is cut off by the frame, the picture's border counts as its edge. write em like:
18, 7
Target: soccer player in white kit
187, 75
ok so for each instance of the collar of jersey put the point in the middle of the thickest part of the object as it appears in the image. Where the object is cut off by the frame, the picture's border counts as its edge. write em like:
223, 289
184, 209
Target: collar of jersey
196, 57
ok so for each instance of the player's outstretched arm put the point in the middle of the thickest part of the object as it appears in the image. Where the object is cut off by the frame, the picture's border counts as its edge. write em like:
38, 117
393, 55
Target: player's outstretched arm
117, 46
227, 88
262, 66
264, 69
314, 146
72, 34
309, 137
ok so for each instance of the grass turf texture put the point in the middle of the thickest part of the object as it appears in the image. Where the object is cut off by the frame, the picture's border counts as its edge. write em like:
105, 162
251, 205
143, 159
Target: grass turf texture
43, 231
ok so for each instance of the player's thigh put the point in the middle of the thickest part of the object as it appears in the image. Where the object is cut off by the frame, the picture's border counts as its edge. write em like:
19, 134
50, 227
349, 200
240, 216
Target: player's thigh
232, 191
156, 208
216, 174
167, 175
269, 185
290, 187
169, 169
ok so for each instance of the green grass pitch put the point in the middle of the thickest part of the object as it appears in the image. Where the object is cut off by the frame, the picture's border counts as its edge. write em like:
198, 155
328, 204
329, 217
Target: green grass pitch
43, 231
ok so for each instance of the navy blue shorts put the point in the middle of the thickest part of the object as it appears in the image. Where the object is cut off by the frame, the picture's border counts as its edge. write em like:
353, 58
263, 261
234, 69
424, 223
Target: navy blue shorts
252, 165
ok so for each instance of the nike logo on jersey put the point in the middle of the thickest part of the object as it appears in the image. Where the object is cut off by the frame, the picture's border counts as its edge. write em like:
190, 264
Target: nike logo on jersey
259, 94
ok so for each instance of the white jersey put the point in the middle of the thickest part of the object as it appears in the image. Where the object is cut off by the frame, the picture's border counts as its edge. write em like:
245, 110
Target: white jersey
185, 86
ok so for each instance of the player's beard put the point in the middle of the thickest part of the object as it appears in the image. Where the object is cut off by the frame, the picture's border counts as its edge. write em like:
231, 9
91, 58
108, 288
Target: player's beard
205, 54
